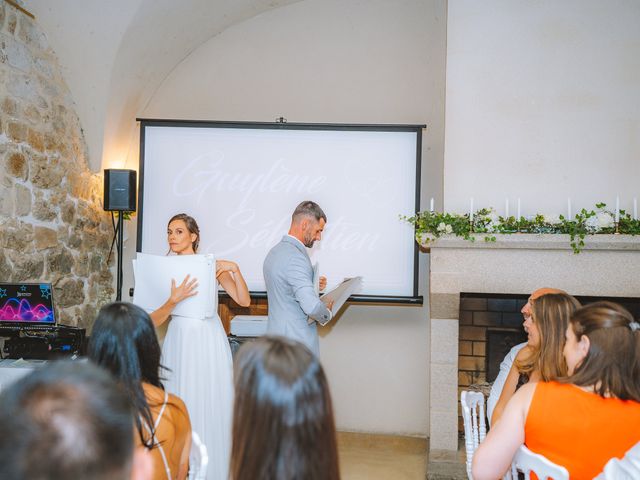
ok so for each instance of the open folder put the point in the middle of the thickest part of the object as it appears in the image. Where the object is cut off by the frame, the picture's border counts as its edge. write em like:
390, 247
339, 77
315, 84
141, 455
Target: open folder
153, 274
340, 294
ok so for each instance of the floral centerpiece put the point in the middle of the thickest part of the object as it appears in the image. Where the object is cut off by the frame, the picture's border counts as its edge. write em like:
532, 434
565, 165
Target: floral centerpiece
431, 225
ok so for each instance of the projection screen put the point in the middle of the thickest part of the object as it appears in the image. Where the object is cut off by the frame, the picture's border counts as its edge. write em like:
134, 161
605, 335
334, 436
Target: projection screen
241, 182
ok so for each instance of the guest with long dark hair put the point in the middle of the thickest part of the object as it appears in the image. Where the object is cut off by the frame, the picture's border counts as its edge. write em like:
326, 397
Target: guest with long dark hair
283, 424
124, 342
583, 420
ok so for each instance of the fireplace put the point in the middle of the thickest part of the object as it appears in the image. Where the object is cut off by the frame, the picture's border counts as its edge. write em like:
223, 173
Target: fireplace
495, 279
490, 324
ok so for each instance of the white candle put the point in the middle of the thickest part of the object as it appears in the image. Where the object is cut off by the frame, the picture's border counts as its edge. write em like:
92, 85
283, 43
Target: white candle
506, 207
617, 208
431, 205
635, 208
568, 208
471, 210
518, 217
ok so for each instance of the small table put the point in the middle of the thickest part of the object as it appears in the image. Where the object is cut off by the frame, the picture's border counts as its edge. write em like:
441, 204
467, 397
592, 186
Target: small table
12, 369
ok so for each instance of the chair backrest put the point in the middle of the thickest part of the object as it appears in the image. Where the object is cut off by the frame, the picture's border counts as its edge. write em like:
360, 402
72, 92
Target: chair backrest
627, 468
198, 458
475, 427
526, 461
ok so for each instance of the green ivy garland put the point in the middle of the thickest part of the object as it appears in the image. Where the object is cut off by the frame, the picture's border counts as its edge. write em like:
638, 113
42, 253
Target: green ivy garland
432, 225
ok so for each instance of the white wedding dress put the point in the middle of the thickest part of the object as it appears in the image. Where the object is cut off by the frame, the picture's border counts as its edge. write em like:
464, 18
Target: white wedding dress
198, 356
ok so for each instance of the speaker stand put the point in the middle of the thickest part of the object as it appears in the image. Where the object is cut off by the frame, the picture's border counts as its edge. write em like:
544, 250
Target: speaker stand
120, 242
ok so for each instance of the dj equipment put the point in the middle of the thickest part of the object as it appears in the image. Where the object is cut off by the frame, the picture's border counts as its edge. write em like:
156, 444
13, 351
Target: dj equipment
42, 342
120, 190
29, 325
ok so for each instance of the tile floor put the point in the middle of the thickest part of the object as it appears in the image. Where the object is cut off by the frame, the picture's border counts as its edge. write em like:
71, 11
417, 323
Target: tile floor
381, 457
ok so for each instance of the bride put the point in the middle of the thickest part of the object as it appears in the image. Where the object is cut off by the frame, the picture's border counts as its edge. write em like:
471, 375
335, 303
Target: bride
197, 352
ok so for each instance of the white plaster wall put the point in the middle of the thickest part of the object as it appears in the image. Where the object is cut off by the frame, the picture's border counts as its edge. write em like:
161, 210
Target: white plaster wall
375, 61
86, 38
542, 103
114, 55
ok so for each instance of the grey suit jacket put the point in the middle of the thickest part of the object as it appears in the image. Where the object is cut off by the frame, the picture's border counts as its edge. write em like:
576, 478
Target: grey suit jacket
292, 297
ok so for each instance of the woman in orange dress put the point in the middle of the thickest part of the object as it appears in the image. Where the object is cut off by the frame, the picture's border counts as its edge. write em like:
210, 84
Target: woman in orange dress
584, 420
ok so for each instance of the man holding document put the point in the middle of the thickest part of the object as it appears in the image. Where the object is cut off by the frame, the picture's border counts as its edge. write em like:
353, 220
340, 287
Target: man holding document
289, 277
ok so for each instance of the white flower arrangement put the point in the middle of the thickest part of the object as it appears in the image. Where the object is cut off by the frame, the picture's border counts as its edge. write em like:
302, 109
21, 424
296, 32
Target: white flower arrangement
599, 222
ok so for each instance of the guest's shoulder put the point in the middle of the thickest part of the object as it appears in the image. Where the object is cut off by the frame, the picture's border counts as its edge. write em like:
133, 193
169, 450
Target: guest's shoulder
178, 410
555, 386
177, 403
571, 392
528, 390
516, 349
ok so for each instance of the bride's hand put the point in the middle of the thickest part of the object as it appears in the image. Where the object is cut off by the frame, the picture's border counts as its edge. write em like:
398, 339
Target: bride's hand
185, 290
225, 266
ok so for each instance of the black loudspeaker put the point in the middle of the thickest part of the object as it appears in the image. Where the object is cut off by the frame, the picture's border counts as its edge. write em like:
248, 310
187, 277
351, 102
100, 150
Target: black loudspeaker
120, 190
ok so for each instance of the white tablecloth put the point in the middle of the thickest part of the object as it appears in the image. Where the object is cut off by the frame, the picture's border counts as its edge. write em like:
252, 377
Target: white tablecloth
11, 370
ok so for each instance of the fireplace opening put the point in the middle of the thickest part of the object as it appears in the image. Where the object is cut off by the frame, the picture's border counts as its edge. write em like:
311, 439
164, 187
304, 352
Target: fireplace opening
499, 343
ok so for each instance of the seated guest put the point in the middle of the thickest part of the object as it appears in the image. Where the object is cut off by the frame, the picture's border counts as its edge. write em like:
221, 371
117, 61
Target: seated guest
584, 420
541, 358
124, 342
69, 420
506, 364
283, 424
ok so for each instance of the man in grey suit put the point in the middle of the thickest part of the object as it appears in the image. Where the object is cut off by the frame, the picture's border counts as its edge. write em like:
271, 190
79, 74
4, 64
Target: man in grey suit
288, 274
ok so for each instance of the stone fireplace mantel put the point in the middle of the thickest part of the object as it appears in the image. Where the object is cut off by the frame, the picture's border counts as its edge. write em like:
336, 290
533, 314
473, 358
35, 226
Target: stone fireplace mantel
609, 265
538, 242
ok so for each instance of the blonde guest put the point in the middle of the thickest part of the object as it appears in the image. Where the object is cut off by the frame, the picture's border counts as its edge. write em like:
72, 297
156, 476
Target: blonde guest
541, 358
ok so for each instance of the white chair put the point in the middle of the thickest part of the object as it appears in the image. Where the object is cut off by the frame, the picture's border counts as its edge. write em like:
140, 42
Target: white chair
198, 458
475, 427
526, 461
627, 468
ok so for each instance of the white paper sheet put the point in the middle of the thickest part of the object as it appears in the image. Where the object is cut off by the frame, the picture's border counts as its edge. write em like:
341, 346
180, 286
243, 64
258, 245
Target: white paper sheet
153, 275
340, 294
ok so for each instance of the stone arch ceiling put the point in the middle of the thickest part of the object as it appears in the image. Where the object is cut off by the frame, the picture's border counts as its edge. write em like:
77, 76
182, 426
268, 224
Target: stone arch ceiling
115, 54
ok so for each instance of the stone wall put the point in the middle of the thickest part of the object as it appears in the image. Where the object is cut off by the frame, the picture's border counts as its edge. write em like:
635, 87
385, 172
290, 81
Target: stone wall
52, 226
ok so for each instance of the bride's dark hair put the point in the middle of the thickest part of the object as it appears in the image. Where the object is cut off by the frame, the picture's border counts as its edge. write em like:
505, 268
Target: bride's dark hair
192, 227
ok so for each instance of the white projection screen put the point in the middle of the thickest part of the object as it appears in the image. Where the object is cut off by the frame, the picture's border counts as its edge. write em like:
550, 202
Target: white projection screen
241, 182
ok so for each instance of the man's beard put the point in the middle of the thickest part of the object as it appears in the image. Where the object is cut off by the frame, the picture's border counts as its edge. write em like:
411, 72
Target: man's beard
308, 241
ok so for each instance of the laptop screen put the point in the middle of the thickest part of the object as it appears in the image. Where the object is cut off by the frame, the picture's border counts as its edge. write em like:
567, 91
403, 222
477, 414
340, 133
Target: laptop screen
27, 303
